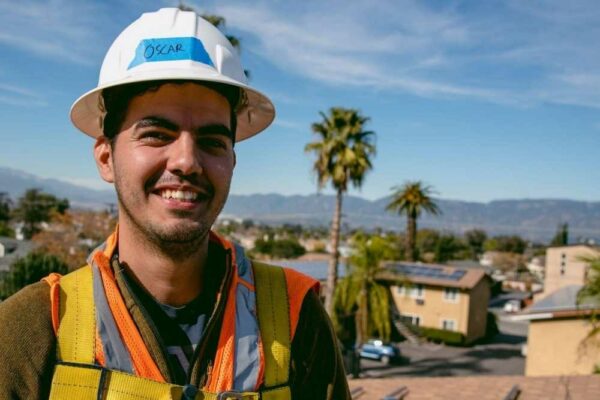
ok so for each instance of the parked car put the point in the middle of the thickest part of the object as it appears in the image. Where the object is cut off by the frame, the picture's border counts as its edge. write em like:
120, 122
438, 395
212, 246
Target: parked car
378, 350
512, 306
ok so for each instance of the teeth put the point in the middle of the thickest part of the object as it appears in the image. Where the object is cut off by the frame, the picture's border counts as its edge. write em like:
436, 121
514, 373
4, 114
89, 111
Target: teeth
178, 195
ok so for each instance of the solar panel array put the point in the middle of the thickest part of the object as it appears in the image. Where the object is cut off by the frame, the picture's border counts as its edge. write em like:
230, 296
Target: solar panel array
429, 271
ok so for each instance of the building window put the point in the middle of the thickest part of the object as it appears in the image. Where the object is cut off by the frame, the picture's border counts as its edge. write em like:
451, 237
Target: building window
451, 295
401, 290
416, 291
448, 324
411, 319
563, 263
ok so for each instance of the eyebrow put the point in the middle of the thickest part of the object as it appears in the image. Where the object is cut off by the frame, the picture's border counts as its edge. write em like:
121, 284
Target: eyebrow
160, 122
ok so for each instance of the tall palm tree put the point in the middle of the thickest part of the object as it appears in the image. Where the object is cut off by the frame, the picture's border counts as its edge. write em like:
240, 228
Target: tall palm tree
344, 151
361, 294
412, 199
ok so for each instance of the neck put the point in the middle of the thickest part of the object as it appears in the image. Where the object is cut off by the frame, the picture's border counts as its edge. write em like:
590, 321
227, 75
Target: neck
170, 277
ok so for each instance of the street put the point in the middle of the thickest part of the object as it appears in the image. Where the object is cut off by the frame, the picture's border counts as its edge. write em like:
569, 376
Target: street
500, 356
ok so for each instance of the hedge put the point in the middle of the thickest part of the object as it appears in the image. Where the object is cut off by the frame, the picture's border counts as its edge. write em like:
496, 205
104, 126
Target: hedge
441, 335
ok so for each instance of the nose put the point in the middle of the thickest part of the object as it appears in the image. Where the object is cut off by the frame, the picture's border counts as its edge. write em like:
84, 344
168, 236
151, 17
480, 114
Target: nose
184, 157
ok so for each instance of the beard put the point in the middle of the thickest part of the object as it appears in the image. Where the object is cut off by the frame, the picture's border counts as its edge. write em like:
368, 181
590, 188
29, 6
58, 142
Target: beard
177, 240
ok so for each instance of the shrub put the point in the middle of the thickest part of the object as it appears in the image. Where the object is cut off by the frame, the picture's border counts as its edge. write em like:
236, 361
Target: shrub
284, 248
491, 326
30, 269
444, 336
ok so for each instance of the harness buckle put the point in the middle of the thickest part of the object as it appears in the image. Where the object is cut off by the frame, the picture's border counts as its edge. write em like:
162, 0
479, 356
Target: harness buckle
230, 394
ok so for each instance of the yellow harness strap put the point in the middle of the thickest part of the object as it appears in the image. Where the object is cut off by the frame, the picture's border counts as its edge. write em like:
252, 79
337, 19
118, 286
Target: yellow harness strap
81, 382
76, 376
77, 329
274, 321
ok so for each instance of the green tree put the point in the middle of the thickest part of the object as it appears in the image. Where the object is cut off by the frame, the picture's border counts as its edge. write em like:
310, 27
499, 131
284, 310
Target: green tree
359, 294
447, 248
412, 199
475, 238
344, 151
5, 215
561, 238
35, 207
508, 244
281, 249
30, 269
590, 294
426, 244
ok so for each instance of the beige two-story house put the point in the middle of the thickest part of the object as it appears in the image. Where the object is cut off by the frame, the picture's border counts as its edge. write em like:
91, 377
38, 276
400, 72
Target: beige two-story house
565, 267
560, 340
441, 297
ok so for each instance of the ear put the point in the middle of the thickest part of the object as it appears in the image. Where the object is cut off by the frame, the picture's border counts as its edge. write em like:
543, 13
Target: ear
104, 159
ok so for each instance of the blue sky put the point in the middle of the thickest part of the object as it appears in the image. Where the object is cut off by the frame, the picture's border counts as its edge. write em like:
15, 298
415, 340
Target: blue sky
481, 100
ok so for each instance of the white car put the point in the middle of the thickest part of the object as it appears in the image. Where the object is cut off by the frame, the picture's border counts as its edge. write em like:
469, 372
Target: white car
512, 306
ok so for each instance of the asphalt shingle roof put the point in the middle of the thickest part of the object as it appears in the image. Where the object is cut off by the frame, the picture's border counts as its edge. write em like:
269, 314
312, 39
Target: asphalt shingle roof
14, 249
585, 387
563, 299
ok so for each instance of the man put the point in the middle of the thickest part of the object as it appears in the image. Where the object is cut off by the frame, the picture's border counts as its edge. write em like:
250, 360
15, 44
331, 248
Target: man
165, 308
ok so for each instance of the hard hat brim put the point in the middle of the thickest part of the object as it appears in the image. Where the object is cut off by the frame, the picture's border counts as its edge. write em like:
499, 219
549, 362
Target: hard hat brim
87, 112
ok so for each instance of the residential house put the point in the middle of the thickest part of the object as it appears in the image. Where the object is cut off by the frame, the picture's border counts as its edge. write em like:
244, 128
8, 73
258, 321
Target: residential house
564, 266
441, 296
478, 387
558, 342
313, 245
11, 249
488, 258
537, 266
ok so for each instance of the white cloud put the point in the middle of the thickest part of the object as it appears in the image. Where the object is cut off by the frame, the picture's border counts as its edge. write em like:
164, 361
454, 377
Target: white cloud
516, 52
19, 96
60, 30
287, 124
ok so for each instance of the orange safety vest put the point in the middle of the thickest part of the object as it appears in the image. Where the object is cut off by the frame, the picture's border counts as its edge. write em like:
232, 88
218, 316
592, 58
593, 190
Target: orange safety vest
243, 362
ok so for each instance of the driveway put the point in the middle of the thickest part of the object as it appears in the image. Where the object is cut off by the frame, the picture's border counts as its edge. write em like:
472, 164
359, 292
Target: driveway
501, 357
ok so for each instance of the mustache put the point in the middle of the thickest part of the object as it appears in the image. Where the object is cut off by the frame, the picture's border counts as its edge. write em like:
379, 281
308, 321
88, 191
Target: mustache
191, 180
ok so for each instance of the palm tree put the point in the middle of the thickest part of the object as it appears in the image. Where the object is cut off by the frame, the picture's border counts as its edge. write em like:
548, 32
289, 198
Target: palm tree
589, 295
590, 292
361, 294
412, 199
344, 152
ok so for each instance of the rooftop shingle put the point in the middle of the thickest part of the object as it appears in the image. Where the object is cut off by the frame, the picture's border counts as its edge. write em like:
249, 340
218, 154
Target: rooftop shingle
484, 387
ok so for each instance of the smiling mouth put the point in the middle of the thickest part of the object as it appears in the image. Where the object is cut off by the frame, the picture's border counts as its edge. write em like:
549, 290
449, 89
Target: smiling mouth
179, 195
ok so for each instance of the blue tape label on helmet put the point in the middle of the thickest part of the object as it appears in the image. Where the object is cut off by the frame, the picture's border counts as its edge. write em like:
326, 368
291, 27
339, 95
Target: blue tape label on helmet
170, 49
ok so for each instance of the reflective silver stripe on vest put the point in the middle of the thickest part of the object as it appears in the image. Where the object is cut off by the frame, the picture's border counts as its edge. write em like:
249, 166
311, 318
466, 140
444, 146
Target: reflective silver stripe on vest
116, 356
246, 362
247, 357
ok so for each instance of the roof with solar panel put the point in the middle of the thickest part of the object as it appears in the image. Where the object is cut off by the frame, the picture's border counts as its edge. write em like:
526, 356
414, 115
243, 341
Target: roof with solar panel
433, 274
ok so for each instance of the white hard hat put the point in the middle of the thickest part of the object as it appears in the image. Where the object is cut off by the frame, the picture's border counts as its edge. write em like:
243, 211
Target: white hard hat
171, 44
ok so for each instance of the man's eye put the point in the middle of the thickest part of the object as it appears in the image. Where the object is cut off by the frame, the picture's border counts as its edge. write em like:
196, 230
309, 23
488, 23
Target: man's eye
212, 142
155, 136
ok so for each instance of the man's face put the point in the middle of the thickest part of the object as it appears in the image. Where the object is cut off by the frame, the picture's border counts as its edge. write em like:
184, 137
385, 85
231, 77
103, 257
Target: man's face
171, 163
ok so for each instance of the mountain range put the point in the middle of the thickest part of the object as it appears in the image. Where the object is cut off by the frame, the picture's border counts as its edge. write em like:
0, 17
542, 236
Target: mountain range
534, 219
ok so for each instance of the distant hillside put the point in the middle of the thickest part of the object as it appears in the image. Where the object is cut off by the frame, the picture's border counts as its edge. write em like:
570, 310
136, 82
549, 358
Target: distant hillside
533, 219
15, 183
